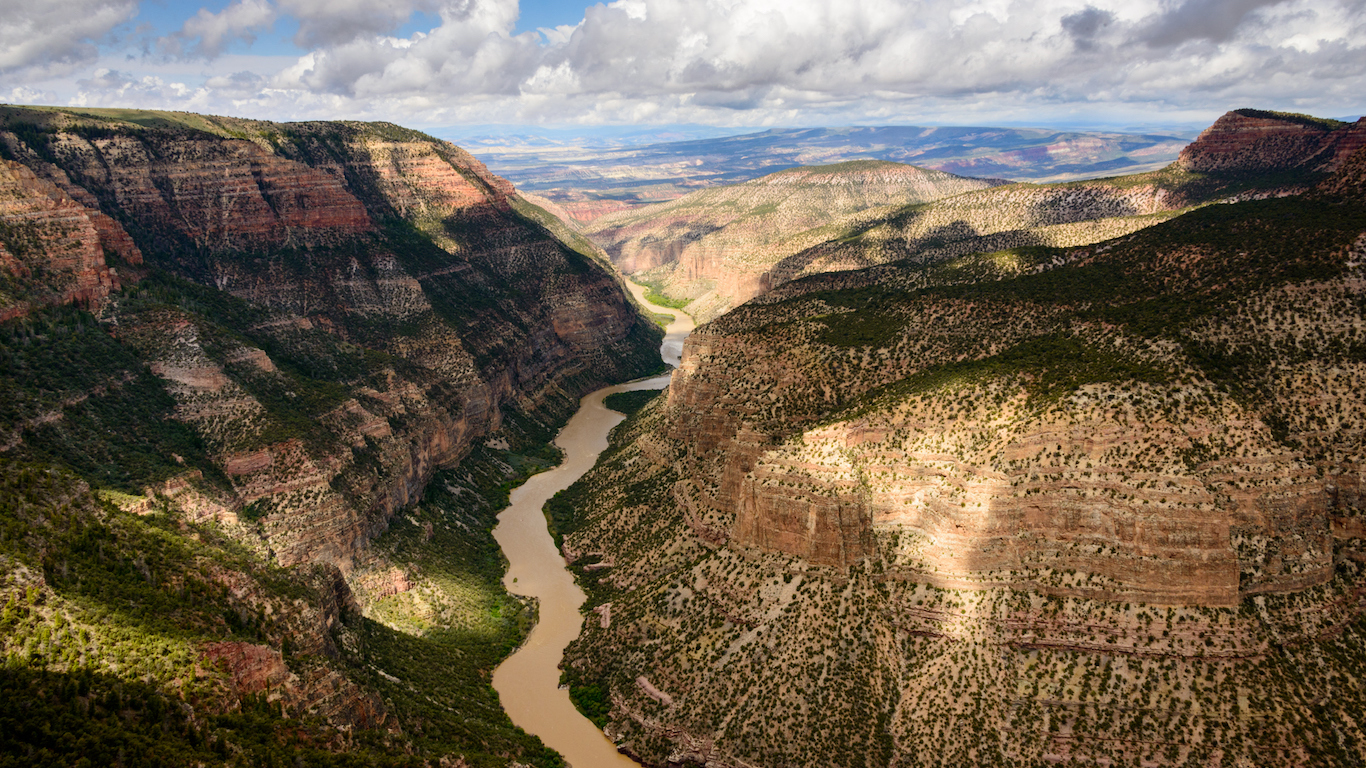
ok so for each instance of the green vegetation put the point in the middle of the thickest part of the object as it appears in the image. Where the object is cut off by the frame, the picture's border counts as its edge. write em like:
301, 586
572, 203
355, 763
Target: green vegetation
1046, 367
590, 700
98, 656
654, 295
628, 403
79, 398
1322, 123
558, 229
85, 718
361, 359
157, 582
132, 594
1009, 418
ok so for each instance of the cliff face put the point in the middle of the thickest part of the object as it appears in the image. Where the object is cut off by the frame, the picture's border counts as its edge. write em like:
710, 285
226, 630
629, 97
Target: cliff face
1255, 140
1108, 481
213, 194
1096, 503
280, 335
53, 248
722, 242
381, 238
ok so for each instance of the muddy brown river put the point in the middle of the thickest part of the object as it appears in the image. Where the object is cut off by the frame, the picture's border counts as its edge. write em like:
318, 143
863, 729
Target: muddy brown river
528, 682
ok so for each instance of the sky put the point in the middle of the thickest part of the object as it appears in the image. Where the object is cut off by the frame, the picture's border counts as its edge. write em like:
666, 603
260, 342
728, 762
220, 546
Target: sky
752, 63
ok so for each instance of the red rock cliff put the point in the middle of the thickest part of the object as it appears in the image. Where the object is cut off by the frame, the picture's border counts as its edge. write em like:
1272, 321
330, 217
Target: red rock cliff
1252, 140
54, 246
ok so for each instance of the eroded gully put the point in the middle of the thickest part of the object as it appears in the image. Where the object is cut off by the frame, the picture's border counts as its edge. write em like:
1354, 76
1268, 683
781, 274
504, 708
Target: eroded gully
528, 682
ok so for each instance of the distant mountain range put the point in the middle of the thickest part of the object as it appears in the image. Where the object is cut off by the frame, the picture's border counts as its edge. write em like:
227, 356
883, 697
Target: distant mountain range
721, 246
595, 176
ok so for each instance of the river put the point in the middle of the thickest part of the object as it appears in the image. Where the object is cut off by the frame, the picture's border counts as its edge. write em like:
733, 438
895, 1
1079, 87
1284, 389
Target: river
528, 681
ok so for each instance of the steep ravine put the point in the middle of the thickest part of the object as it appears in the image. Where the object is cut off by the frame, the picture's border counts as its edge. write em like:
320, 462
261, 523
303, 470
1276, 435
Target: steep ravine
528, 682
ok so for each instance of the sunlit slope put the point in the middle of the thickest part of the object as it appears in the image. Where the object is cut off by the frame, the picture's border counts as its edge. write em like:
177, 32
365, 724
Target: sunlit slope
1247, 153
725, 239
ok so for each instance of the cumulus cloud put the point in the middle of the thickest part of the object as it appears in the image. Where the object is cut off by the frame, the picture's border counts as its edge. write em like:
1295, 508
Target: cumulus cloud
208, 34
330, 22
1084, 25
56, 35
112, 87
1213, 20
783, 61
238, 85
781, 54
471, 52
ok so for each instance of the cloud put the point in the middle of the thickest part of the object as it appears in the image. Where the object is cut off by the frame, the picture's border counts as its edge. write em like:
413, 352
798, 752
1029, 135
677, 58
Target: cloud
333, 22
472, 52
214, 31
238, 85
774, 61
1083, 25
113, 88
56, 35
1213, 20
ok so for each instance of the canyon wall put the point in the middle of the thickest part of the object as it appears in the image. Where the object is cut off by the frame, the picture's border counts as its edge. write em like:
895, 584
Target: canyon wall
721, 247
242, 359
1047, 504
53, 247
1259, 141
377, 237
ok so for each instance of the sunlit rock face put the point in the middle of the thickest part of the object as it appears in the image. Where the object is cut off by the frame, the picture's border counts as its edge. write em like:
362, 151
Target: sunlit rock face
54, 246
1033, 506
985, 485
1249, 140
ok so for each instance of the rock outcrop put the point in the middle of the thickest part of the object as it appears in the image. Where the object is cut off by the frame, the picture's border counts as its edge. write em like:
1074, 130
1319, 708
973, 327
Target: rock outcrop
373, 236
1251, 140
53, 247
281, 334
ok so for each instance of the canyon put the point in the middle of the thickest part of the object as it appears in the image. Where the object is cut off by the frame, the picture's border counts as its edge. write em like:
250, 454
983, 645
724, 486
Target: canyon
957, 472
528, 682
272, 338
715, 246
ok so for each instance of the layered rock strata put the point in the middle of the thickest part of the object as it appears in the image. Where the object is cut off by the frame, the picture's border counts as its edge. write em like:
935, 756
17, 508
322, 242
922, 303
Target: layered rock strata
1256, 140
53, 247
1096, 504
291, 330
308, 222
719, 260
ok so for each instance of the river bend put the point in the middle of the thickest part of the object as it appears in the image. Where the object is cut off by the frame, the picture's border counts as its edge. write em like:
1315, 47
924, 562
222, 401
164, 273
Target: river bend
528, 681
